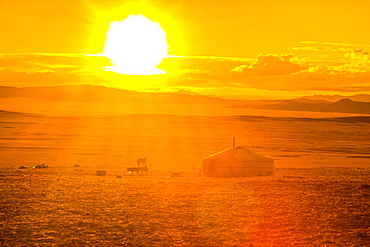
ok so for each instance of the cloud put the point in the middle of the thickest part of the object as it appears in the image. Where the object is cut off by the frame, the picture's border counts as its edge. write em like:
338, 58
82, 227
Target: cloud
203, 64
49, 69
321, 48
332, 43
271, 65
51, 62
24, 79
271, 74
329, 47
280, 73
358, 57
352, 63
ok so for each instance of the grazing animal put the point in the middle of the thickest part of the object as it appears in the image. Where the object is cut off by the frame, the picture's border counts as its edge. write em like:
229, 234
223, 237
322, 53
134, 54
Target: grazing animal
138, 170
133, 169
141, 161
144, 169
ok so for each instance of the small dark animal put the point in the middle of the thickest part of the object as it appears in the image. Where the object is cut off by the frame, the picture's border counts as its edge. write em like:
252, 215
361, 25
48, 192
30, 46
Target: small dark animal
133, 169
144, 169
138, 170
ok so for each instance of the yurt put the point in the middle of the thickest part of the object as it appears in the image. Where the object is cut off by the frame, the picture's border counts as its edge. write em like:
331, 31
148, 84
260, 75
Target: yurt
237, 162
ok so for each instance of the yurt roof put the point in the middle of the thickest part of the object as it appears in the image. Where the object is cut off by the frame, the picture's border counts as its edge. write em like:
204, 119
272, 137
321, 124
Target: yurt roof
241, 153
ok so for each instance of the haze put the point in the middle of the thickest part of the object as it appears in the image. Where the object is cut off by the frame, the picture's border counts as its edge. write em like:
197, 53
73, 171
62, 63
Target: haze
93, 91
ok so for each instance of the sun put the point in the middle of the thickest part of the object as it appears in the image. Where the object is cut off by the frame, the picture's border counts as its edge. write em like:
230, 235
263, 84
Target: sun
135, 46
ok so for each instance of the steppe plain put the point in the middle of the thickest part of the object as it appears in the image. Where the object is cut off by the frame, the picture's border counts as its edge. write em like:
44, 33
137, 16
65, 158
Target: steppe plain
319, 196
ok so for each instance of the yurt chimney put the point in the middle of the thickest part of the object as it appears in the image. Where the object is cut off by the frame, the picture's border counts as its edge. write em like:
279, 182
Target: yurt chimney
233, 142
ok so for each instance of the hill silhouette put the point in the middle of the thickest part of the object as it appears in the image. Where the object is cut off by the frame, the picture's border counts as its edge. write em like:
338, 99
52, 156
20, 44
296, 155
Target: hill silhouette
342, 105
89, 93
334, 98
101, 94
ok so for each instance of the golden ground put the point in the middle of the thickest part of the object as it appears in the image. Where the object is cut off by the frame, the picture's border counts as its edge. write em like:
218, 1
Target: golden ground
319, 196
74, 207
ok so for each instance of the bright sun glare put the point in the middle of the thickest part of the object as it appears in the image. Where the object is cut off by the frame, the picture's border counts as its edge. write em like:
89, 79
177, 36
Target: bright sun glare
135, 46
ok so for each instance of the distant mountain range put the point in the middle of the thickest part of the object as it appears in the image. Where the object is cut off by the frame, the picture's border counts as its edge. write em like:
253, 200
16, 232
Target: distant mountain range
100, 94
342, 105
334, 98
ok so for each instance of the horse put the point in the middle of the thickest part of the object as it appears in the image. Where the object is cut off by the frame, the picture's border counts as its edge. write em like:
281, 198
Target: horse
141, 161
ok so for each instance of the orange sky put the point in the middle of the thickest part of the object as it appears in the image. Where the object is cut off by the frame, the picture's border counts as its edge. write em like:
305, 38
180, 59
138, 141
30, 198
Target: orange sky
232, 49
